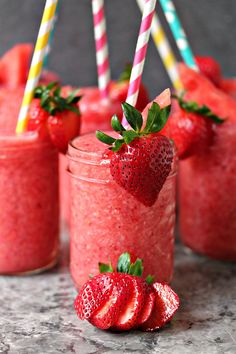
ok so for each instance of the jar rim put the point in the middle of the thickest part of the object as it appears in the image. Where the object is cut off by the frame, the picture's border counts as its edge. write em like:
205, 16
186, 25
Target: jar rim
11, 141
96, 159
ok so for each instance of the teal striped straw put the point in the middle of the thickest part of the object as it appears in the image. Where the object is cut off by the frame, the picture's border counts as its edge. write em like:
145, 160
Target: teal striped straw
178, 33
50, 40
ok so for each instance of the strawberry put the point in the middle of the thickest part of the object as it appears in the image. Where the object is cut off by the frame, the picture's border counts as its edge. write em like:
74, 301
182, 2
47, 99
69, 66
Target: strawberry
119, 89
121, 300
54, 115
191, 127
209, 68
141, 159
165, 306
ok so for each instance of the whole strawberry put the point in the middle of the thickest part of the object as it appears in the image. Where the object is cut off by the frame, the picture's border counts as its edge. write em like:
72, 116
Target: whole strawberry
191, 127
140, 158
121, 300
210, 68
54, 115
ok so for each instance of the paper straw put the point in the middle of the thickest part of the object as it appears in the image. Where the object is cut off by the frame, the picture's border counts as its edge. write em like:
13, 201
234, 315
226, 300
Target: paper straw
100, 36
37, 62
164, 49
140, 53
49, 46
178, 33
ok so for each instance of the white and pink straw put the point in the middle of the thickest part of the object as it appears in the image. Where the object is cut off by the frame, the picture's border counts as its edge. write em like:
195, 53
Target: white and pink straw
140, 53
100, 35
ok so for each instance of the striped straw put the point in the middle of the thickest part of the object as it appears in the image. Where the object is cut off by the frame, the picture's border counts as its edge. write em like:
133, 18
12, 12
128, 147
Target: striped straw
164, 49
49, 46
178, 33
100, 36
140, 53
37, 62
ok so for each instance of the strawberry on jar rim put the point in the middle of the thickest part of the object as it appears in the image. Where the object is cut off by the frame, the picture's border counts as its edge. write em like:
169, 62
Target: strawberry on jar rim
55, 116
140, 157
122, 299
191, 126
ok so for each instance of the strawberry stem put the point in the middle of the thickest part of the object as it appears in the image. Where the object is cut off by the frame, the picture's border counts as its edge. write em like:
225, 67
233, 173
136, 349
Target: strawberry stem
193, 107
156, 120
52, 101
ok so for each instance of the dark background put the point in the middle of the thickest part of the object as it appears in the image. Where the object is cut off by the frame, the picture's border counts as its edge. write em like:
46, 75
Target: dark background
210, 26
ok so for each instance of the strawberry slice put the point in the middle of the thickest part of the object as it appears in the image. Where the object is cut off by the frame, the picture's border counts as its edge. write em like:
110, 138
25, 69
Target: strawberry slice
147, 307
130, 314
93, 295
106, 315
166, 304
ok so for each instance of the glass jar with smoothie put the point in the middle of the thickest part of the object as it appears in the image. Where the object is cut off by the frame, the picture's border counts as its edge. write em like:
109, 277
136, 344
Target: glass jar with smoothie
96, 113
29, 204
207, 183
106, 220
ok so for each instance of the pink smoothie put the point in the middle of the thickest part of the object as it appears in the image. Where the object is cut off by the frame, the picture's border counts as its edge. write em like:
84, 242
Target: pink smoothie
106, 221
28, 203
95, 114
207, 197
28, 194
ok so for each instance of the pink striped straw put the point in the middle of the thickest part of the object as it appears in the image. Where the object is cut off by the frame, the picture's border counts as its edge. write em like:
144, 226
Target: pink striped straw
140, 53
100, 36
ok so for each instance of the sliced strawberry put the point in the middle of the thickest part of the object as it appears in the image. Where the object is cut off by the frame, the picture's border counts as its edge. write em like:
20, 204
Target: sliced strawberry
228, 86
130, 314
93, 295
147, 307
166, 305
106, 316
209, 68
15, 65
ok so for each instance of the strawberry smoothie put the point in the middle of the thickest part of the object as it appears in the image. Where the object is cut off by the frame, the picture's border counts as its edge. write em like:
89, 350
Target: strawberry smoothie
29, 204
207, 183
106, 220
95, 114
207, 197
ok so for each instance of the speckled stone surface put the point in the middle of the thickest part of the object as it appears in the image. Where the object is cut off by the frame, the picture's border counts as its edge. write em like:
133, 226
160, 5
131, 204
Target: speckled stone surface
37, 316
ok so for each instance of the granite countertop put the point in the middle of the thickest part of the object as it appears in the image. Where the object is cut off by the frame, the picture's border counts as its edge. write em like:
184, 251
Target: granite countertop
37, 316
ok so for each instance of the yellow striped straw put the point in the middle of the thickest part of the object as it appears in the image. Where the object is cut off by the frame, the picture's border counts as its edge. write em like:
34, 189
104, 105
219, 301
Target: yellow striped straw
164, 49
37, 62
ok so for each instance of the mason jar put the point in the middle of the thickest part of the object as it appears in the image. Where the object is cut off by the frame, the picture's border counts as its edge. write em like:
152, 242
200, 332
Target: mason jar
29, 204
106, 221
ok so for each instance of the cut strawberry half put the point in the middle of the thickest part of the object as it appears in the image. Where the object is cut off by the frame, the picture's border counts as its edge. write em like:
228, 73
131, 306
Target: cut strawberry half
166, 304
130, 314
93, 295
107, 314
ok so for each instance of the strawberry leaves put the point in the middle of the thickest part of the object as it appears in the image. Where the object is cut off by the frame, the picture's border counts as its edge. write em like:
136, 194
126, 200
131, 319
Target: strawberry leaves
193, 107
156, 120
124, 265
52, 101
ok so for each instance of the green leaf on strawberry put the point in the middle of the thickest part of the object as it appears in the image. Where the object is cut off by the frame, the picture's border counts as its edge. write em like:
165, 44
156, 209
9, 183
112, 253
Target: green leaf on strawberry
55, 116
193, 107
125, 75
156, 120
